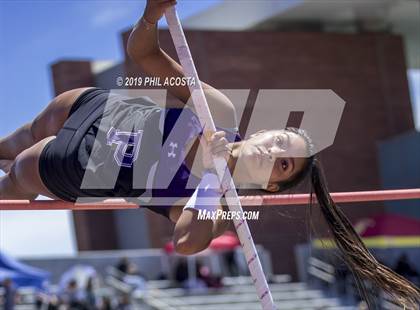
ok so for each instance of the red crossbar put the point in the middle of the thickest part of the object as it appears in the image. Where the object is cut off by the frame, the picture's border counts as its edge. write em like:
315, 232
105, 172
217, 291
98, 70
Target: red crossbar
343, 197
262, 200
109, 204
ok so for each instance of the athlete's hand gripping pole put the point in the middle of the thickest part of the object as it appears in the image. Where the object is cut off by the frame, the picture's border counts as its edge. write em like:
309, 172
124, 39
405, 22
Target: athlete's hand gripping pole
203, 113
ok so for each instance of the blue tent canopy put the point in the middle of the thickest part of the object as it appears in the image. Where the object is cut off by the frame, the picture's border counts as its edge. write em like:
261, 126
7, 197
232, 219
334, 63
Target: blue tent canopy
21, 274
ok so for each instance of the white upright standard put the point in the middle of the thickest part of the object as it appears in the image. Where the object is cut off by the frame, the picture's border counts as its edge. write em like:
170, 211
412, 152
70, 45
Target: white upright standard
203, 113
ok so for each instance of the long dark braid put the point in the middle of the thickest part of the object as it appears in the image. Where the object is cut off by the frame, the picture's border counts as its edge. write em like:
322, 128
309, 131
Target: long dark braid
354, 253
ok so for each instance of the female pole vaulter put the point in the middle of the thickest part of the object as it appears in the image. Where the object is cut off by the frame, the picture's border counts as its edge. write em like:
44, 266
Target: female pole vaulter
51, 155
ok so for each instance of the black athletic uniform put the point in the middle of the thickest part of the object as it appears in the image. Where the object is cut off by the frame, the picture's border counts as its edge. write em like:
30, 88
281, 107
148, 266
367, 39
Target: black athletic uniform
116, 146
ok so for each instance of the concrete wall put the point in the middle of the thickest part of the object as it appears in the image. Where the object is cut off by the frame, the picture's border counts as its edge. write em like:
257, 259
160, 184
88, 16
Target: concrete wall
399, 159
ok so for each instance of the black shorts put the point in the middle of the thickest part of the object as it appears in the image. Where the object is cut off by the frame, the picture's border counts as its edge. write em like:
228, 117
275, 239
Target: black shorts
59, 167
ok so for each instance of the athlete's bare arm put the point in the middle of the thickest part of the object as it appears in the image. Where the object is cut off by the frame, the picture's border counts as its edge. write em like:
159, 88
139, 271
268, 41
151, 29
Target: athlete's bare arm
190, 235
143, 48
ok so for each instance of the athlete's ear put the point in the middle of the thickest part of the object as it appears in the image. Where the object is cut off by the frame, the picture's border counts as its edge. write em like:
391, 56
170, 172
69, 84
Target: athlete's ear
258, 133
272, 187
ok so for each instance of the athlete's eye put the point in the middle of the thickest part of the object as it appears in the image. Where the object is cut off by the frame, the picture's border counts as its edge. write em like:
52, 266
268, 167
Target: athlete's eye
284, 164
279, 141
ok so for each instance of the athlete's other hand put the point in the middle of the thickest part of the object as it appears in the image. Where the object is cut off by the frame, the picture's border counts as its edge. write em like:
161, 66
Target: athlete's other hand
216, 145
155, 9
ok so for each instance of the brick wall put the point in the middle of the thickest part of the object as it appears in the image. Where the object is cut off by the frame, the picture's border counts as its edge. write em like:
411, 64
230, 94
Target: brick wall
70, 74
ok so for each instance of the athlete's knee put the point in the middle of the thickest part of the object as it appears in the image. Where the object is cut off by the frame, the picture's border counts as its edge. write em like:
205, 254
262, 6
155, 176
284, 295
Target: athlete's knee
13, 172
14, 185
19, 165
22, 173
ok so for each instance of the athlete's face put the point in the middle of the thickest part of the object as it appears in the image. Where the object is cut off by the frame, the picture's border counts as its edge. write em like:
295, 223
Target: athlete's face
271, 156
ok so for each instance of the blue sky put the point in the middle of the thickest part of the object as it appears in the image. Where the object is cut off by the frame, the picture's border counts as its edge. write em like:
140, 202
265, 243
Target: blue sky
35, 34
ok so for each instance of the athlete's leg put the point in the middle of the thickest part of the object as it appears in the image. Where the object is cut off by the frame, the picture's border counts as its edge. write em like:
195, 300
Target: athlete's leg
5, 165
46, 124
23, 180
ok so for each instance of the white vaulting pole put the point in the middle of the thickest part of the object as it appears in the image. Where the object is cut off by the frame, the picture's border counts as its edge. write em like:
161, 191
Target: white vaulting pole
203, 113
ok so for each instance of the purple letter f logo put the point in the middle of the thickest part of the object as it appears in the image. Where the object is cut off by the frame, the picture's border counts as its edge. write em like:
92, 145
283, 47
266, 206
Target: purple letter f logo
128, 145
